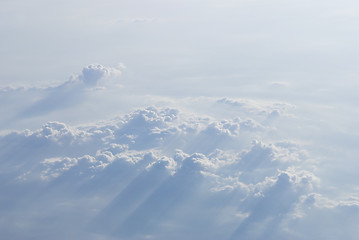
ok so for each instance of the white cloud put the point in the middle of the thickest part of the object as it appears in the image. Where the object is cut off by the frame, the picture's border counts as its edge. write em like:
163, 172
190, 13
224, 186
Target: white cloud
182, 164
150, 173
258, 107
254, 134
24, 103
93, 73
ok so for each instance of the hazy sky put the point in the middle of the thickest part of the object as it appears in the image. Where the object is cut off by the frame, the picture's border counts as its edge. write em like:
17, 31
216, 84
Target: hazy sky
164, 41
183, 119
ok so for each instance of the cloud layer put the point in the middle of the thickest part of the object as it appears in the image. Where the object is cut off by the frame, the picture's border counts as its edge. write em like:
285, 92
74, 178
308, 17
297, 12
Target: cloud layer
161, 173
231, 120
24, 103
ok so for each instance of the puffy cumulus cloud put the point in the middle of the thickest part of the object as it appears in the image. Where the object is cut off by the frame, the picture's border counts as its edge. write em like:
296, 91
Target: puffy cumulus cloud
160, 173
38, 101
270, 207
91, 76
263, 155
61, 133
93, 73
223, 128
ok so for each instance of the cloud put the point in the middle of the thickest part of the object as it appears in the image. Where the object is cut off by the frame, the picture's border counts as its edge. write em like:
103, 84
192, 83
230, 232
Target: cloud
235, 165
151, 173
257, 107
272, 206
93, 73
279, 84
69, 93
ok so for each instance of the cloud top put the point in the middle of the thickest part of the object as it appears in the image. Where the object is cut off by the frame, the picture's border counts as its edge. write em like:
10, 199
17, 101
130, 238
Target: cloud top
160, 172
93, 73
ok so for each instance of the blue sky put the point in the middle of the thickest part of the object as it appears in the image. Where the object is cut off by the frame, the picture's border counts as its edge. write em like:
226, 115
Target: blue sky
179, 119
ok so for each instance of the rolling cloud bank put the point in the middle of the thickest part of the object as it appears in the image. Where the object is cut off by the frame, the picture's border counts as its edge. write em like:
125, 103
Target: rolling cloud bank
188, 168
